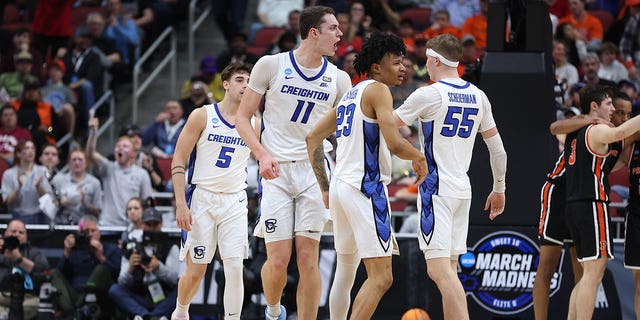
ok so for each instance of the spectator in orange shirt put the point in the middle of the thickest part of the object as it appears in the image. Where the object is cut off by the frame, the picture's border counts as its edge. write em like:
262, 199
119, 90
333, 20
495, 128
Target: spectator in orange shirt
477, 26
588, 26
441, 25
407, 33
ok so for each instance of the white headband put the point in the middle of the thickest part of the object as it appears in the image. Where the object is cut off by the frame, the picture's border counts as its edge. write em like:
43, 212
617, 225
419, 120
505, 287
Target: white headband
445, 61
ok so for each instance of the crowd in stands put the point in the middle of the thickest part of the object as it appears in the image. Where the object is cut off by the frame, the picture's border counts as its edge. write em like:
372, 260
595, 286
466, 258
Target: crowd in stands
56, 62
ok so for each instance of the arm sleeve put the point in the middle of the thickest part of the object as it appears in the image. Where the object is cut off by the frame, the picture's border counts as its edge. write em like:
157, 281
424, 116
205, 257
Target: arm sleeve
422, 103
498, 160
262, 73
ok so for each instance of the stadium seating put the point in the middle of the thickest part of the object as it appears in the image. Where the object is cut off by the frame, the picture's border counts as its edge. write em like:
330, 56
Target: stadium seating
263, 39
421, 17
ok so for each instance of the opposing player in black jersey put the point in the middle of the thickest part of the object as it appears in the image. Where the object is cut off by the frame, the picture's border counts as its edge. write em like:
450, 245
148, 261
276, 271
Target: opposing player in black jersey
553, 231
590, 154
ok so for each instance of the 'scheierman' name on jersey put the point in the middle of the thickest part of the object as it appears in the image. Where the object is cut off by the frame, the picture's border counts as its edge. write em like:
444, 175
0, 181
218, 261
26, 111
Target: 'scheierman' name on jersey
305, 93
225, 139
462, 97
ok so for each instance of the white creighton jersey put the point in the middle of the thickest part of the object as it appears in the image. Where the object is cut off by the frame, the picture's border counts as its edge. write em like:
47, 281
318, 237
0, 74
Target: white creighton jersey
294, 103
362, 157
218, 163
451, 112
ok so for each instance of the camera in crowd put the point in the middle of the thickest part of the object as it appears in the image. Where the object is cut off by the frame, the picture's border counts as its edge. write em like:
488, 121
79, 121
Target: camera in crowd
10, 243
149, 238
82, 242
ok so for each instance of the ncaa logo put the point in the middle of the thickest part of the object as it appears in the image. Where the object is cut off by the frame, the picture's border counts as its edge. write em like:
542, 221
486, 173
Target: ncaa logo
498, 272
198, 252
270, 225
215, 122
288, 71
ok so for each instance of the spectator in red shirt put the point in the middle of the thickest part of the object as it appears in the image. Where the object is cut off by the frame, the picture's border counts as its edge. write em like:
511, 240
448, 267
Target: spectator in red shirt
347, 43
10, 133
52, 25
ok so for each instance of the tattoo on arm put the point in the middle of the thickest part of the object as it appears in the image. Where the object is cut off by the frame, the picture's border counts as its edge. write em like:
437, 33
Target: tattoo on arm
319, 169
177, 167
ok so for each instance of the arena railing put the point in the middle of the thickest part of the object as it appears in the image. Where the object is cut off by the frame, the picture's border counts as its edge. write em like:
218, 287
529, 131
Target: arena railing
138, 88
194, 25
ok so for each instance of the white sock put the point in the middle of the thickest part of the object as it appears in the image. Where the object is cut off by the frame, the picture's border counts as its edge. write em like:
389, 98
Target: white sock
182, 309
233, 288
340, 294
274, 309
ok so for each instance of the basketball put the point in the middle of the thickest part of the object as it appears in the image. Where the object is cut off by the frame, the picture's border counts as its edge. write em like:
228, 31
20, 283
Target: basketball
415, 314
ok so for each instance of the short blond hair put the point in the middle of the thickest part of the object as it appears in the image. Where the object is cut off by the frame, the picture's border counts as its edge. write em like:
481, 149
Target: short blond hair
446, 45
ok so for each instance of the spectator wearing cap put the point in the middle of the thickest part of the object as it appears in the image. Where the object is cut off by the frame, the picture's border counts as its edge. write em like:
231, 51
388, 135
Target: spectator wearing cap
10, 133
477, 25
21, 41
162, 134
13, 82
123, 31
84, 73
610, 67
59, 96
208, 74
121, 179
631, 89
198, 97
157, 266
37, 116
237, 52
441, 25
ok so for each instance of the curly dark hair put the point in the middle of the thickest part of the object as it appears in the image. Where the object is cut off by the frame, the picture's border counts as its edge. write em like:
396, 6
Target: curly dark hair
375, 48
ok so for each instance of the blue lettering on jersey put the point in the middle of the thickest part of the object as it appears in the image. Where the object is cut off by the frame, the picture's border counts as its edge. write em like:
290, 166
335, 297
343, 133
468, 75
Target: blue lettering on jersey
306, 93
350, 95
226, 139
462, 97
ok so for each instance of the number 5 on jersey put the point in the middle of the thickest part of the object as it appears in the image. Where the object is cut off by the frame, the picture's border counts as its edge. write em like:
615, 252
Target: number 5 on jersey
224, 159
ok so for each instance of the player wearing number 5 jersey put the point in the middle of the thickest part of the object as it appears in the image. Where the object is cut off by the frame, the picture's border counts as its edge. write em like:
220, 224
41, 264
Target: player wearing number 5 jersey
451, 112
214, 208
299, 87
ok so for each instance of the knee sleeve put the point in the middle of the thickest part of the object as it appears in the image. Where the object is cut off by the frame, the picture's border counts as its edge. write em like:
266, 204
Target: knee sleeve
233, 287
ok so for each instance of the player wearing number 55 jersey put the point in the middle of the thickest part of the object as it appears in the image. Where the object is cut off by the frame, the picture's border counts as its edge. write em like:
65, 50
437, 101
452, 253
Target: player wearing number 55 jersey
451, 112
214, 208
299, 87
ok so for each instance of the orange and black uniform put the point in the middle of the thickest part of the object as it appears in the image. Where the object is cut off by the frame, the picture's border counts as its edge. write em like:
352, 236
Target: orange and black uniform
632, 223
587, 209
552, 229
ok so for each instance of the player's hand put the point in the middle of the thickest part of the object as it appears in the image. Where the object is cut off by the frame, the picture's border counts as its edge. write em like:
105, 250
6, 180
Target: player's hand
269, 168
495, 201
325, 199
420, 170
183, 217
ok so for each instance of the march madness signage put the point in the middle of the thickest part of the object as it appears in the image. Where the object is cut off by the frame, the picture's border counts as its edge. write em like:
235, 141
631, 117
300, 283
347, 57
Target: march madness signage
499, 270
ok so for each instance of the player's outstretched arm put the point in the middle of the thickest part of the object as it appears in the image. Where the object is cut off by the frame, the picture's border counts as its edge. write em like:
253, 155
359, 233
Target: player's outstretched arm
379, 97
325, 127
606, 134
498, 160
186, 141
566, 126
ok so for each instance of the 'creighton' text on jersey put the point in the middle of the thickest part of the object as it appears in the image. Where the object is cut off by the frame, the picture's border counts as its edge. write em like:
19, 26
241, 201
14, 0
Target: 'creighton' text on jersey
294, 103
451, 113
362, 157
218, 162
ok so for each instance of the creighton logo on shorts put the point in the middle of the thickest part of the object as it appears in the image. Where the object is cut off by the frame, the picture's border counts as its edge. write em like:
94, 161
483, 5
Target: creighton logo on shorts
498, 272
198, 252
270, 225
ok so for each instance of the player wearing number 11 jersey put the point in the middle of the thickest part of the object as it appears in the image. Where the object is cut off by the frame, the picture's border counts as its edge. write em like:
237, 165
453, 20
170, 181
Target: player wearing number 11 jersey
299, 87
451, 112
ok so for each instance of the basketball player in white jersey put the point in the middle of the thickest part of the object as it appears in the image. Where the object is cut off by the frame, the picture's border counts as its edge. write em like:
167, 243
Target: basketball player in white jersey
451, 112
365, 132
299, 87
213, 213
